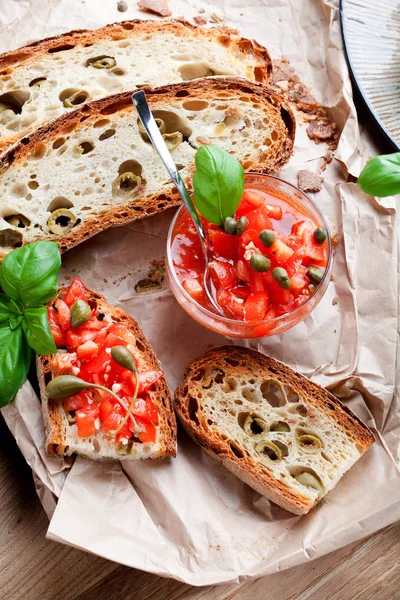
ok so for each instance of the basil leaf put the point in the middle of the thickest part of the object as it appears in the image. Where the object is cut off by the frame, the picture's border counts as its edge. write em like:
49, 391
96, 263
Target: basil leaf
5, 310
37, 330
218, 184
15, 358
29, 274
381, 176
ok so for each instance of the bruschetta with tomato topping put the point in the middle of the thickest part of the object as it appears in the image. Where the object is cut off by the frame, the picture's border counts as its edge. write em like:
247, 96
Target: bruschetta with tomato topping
94, 422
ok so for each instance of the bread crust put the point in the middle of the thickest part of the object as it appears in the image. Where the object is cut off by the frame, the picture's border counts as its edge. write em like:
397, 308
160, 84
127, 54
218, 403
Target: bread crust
52, 409
207, 88
260, 71
243, 362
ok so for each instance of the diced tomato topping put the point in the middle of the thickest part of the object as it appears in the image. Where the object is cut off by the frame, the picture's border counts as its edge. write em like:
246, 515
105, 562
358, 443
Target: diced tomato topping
147, 379
223, 244
78, 401
274, 211
114, 418
85, 424
193, 287
256, 306
314, 254
256, 282
259, 220
55, 328
149, 432
233, 305
64, 314
87, 351
303, 230
64, 362
221, 274
145, 408
76, 291
280, 251
242, 270
253, 197
104, 409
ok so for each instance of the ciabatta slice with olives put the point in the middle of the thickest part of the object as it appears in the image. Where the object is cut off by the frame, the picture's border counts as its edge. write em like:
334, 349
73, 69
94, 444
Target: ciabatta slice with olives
45, 79
95, 167
286, 437
61, 427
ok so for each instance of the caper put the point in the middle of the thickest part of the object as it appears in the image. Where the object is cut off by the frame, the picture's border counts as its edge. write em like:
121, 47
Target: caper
123, 358
63, 386
80, 313
101, 62
281, 277
173, 140
160, 124
126, 184
280, 427
310, 480
269, 450
254, 426
76, 99
241, 225
260, 263
309, 444
315, 274
267, 237
320, 235
18, 221
230, 225
61, 220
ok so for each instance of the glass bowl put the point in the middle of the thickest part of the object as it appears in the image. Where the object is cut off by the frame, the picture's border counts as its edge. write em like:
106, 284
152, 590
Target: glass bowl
246, 329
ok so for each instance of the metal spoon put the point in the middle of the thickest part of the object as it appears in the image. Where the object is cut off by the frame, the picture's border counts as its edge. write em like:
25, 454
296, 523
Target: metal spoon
155, 137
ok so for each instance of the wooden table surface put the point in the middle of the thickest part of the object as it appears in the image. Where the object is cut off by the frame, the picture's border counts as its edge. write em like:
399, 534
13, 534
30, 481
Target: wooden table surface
33, 568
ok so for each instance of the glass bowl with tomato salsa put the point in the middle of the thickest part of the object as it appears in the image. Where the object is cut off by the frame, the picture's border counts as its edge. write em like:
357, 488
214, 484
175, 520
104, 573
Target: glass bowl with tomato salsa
271, 263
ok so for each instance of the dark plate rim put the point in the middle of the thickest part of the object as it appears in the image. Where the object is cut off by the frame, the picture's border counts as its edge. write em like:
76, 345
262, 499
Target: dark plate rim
356, 82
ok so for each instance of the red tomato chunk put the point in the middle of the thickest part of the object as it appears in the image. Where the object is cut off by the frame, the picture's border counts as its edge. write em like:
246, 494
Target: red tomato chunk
88, 356
246, 292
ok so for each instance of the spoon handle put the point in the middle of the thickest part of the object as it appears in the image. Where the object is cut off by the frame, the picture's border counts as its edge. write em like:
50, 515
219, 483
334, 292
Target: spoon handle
147, 119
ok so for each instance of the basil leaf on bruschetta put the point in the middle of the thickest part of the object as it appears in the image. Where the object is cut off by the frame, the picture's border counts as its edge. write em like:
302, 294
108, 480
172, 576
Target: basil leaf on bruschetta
28, 276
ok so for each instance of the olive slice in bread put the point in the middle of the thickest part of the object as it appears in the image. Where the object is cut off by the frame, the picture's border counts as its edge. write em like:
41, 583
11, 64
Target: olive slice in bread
285, 436
61, 433
45, 79
95, 167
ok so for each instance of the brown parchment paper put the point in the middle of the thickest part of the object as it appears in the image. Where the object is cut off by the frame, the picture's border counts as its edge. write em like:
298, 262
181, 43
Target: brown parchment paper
189, 518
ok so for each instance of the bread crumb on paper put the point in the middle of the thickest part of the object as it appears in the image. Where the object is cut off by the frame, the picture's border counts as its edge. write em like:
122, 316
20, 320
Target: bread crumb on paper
158, 7
320, 131
335, 301
335, 241
308, 181
321, 128
200, 20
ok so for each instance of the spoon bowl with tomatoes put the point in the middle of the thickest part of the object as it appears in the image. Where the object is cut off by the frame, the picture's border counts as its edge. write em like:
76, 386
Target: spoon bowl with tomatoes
270, 262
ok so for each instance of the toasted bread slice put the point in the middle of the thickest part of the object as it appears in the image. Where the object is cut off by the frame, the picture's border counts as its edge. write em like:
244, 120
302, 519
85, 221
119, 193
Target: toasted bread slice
61, 435
37, 80
286, 437
80, 162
